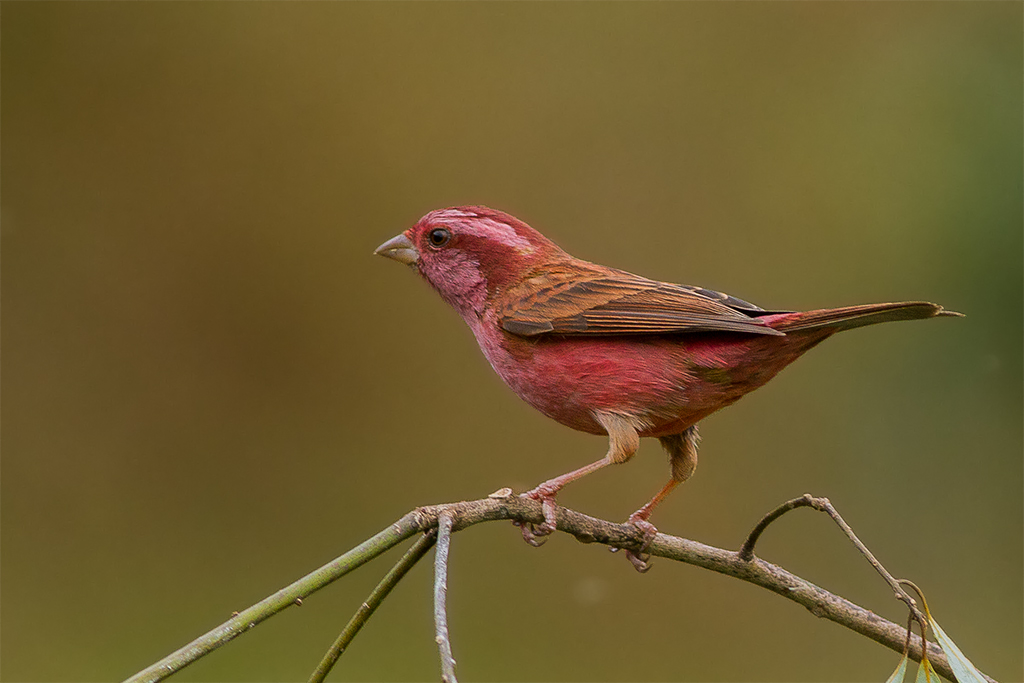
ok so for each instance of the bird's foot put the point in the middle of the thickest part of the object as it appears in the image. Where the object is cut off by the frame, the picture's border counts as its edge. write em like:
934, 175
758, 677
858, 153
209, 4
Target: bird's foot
641, 560
534, 533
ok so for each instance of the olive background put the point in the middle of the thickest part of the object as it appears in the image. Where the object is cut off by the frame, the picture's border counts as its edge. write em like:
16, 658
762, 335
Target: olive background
211, 386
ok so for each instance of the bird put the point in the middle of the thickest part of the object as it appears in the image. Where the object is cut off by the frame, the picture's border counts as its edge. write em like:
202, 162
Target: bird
607, 352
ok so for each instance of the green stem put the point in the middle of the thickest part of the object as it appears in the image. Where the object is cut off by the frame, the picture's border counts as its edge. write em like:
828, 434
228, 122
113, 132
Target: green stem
366, 610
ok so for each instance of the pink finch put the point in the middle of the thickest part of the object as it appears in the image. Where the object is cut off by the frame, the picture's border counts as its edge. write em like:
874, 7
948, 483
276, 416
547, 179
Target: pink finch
605, 351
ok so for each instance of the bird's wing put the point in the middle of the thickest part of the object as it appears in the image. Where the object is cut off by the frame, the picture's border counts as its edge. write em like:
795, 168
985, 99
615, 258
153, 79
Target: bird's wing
610, 302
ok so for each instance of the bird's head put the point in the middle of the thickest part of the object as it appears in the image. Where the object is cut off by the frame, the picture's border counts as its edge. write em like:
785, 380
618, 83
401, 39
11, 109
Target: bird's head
469, 252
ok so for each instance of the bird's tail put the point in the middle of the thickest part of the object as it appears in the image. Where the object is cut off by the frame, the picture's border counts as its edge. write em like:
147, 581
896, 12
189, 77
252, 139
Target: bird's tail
850, 317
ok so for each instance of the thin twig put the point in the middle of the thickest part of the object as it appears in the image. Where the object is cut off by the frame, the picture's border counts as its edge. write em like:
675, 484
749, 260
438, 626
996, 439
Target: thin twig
924, 623
882, 571
444, 643
585, 529
366, 610
747, 549
910, 627
825, 505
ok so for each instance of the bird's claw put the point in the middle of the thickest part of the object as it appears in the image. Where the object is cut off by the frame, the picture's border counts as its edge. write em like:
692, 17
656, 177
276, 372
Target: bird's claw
641, 560
534, 533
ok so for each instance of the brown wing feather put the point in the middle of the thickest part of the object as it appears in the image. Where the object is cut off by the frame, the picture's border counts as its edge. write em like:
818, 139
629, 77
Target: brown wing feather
609, 302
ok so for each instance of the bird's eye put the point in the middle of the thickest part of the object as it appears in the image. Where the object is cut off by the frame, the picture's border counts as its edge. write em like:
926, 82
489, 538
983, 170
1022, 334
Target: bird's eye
438, 237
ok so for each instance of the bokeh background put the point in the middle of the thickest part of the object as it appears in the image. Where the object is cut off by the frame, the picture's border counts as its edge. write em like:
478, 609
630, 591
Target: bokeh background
211, 386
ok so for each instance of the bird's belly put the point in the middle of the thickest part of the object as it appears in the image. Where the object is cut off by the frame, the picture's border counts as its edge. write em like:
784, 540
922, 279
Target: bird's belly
569, 379
669, 382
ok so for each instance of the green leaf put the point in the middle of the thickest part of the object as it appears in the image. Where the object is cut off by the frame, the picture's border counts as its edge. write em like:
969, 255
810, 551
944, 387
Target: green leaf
961, 666
925, 673
899, 673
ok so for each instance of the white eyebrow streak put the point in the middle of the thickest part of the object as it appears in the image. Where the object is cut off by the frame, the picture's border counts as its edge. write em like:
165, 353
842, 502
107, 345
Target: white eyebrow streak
488, 228
454, 213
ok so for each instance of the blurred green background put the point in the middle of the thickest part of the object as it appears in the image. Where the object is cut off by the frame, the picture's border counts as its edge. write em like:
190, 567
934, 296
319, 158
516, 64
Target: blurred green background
211, 386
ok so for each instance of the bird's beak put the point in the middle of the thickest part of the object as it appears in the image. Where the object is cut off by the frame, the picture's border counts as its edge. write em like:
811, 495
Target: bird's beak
399, 248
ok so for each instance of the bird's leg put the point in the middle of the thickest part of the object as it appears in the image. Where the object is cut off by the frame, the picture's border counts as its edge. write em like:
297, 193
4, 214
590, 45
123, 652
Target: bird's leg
682, 454
545, 493
623, 441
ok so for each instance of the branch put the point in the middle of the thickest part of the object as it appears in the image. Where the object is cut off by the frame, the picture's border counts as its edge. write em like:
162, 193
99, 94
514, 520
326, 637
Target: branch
586, 529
